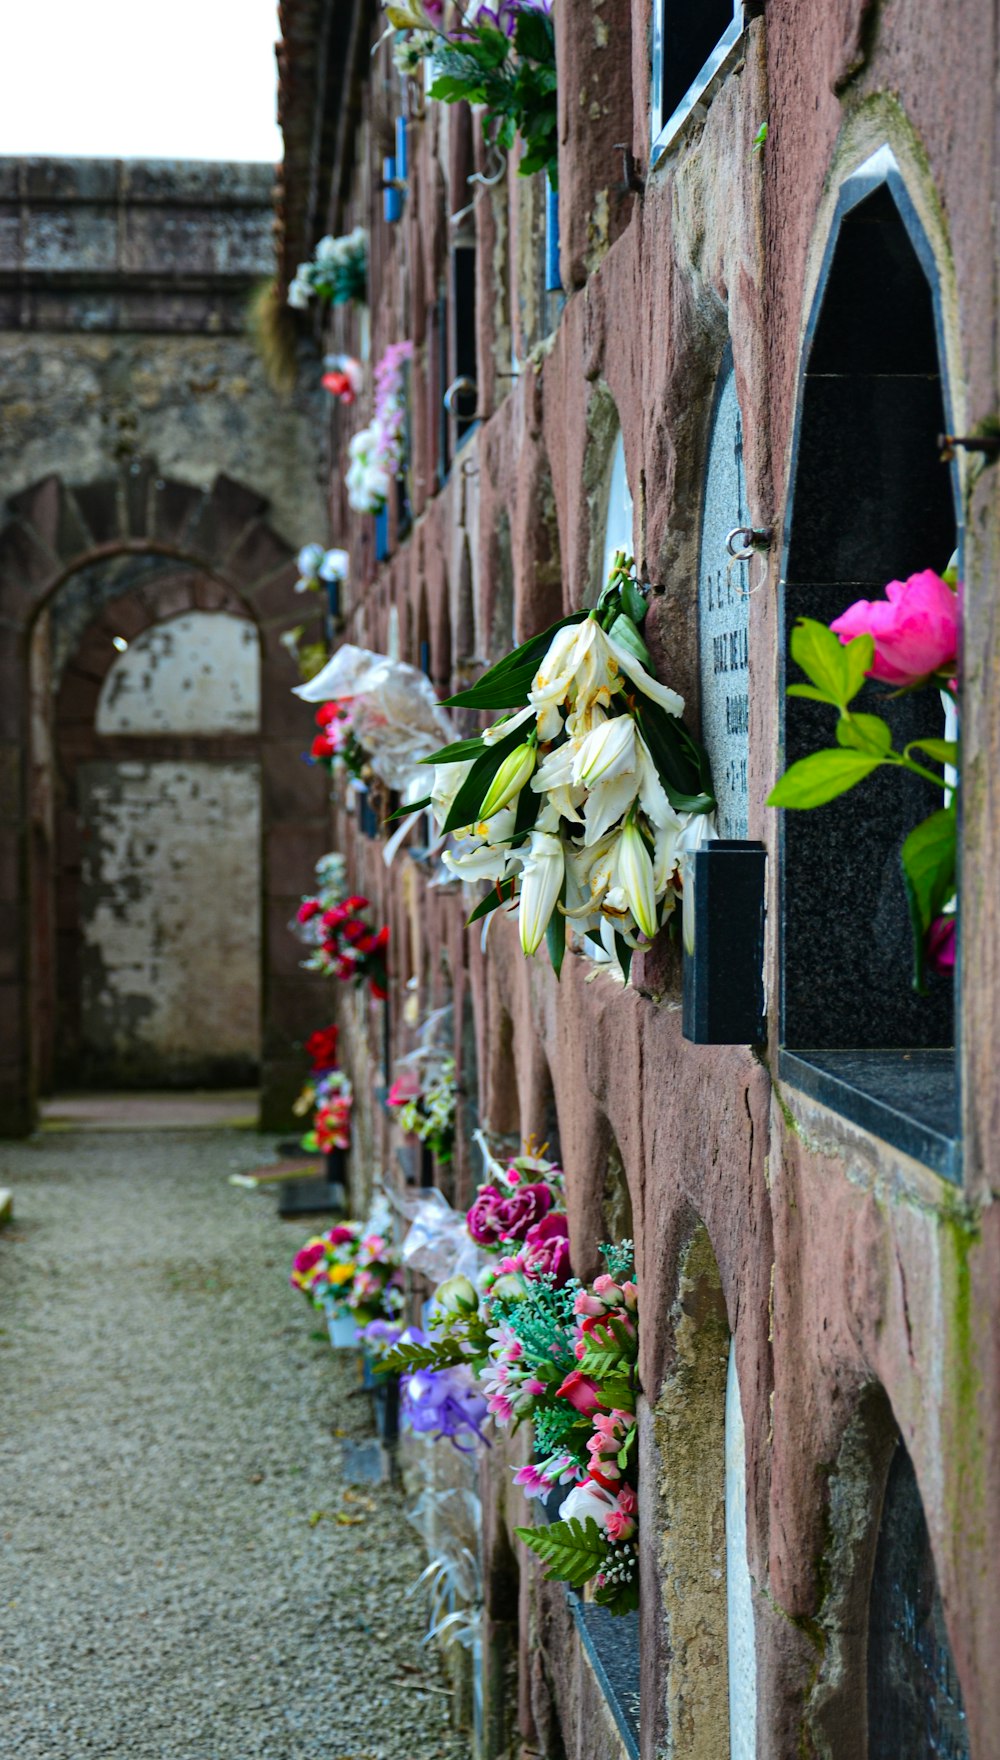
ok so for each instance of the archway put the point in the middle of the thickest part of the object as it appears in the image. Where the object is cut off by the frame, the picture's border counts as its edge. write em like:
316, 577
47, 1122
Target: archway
109, 541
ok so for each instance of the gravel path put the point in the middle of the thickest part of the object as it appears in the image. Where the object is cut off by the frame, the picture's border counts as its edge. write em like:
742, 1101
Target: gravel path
169, 1589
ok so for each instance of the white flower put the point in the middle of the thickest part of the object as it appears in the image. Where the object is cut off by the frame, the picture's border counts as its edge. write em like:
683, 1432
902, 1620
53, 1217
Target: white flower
448, 779
606, 751
299, 294
588, 1499
330, 251
334, 566
308, 562
635, 869
541, 884
582, 671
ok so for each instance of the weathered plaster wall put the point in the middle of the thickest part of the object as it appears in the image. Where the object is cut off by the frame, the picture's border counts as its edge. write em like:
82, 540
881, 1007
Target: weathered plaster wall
198, 673
170, 904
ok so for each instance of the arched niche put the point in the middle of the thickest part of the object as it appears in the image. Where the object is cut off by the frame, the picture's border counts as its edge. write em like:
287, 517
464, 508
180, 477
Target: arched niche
887, 1685
616, 1199
610, 505
914, 1698
619, 511
870, 502
689, 1428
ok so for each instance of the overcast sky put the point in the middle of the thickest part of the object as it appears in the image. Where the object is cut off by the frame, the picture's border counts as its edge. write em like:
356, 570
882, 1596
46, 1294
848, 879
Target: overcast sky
177, 79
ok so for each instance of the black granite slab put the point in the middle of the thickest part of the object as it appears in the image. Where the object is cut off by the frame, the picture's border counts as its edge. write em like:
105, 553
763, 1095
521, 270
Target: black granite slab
908, 1098
611, 1642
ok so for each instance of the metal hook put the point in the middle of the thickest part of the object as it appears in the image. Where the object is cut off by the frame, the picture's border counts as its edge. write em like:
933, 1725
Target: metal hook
459, 387
756, 541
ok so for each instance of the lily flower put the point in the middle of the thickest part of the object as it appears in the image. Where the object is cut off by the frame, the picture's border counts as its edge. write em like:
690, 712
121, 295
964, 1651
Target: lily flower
582, 671
635, 868
541, 884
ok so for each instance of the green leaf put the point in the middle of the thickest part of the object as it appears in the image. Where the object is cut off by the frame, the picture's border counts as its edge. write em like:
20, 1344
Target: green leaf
682, 764
929, 858
812, 691
820, 778
574, 1551
414, 807
506, 685
555, 934
492, 901
618, 1393
534, 36
942, 751
837, 670
634, 602
864, 733
470, 797
600, 1364
456, 753
620, 1598
403, 1357
624, 953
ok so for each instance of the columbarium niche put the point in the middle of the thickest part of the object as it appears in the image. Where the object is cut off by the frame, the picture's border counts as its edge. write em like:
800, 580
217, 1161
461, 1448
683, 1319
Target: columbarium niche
724, 612
914, 1697
871, 502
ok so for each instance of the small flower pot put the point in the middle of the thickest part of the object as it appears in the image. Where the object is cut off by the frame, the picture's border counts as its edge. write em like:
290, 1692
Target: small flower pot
343, 1330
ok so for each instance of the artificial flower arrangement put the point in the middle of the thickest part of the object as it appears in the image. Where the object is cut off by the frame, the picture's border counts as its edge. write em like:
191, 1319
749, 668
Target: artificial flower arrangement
351, 1271
378, 452
562, 1356
346, 945
502, 56
577, 804
336, 745
337, 273
327, 1094
343, 377
319, 568
423, 1098
909, 640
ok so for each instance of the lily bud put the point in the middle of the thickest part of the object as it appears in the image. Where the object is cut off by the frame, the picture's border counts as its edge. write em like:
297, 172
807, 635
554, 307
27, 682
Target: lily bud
635, 873
509, 779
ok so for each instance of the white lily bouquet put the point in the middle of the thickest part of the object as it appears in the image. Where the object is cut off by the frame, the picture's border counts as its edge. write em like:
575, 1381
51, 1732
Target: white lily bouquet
575, 804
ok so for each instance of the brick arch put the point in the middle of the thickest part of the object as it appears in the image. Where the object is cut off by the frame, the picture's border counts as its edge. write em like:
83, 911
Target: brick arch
206, 547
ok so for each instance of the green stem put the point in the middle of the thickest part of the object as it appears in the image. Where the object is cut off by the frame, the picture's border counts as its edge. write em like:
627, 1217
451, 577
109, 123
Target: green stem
915, 769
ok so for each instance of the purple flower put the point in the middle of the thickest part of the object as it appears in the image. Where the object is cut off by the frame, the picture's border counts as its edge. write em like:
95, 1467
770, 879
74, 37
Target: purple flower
443, 1402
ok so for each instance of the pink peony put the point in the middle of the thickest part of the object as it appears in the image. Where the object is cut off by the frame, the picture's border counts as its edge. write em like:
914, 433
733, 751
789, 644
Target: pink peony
941, 945
486, 1219
582, 1392
523, 1209
546, 1249
915, 628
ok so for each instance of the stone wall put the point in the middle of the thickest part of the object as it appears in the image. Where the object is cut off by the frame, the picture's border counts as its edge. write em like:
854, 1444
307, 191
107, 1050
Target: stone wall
840, 1235
147, 469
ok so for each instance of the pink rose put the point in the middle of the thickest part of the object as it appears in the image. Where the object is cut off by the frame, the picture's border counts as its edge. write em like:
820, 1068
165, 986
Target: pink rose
582, 1393
915, 628
546, 1249
523, 1209
486, 1220
941, 945
619, 1526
